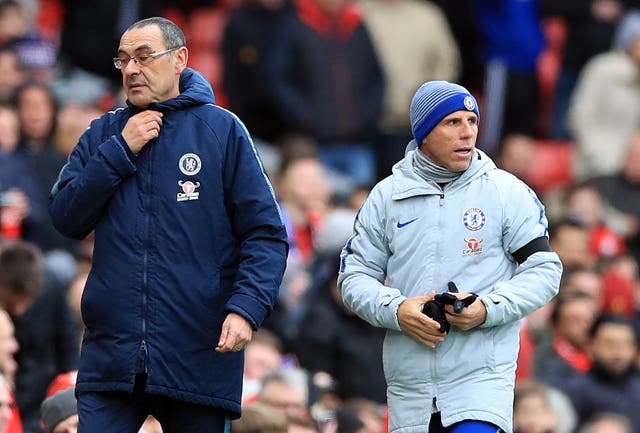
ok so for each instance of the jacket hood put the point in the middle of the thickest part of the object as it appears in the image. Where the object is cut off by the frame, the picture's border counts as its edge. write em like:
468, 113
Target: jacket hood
195, 89
407, 183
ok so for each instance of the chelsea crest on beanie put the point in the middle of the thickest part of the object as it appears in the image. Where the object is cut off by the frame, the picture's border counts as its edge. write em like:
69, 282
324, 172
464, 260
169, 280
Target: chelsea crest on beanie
434, 101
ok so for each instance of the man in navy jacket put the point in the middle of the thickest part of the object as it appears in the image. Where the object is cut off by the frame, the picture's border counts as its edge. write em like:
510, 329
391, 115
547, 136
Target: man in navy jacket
189, 245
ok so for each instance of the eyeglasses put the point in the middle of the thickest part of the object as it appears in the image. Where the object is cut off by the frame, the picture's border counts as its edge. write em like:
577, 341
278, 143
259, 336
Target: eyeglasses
144, 59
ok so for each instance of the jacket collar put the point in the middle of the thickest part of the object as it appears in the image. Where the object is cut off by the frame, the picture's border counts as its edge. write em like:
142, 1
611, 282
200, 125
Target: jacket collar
194, 90
407, 183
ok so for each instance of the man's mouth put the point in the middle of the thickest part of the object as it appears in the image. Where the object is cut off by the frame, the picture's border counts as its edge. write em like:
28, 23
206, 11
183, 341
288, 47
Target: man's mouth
464, 151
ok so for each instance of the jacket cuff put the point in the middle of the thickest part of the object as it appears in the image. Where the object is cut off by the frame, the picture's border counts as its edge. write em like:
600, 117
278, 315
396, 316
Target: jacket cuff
248, 308
390, 313
492, 305
118, 155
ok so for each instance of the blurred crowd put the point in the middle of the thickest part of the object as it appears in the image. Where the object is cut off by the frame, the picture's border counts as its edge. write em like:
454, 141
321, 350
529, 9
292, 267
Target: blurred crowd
324, 88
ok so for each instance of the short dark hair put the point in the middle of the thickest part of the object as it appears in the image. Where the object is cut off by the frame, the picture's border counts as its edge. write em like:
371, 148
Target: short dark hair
22, 268
172, 35
564, 299
616, 319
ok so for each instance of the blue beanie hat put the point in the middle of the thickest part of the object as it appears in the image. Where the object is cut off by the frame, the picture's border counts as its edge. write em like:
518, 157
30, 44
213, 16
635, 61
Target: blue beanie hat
434, 101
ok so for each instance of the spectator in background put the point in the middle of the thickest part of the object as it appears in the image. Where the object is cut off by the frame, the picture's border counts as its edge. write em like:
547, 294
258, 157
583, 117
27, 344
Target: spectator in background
247, 46
516, 154
262, 355
461, 18
60, 412
12, 21
35, 54
590, 26
37, 110
260, 418
622, 192
512, 40
72, 120
619, 280
569, 238
532, 410
304, 194
612, 384
607, 422
303, 425
18, 190
605, 106
8, 367
329, 84
9, 415
8, 348
44, 329
287, 389
583, 281
585, 203
11, 72
82, 71
9, 129
415, 45
369, 412
331, 338
568, 352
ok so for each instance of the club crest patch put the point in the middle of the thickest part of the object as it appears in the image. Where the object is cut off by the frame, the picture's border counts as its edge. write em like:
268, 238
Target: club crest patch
469, 103
474, 219
190, 164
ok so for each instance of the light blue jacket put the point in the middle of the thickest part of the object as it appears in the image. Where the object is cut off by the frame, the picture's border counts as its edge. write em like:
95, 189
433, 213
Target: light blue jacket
411, 237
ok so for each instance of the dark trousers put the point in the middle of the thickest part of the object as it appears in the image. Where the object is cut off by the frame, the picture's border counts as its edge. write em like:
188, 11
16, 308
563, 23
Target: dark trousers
118, 412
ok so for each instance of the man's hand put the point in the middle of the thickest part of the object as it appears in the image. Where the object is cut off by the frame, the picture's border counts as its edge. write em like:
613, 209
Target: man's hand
418, 325
470, 317
236, 334
141, 128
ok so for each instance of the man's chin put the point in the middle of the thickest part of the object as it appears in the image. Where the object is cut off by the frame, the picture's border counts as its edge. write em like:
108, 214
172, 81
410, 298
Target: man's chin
138, 101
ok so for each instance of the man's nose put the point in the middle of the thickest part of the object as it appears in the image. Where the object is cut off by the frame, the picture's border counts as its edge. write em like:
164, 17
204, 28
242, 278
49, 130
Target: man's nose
131, 68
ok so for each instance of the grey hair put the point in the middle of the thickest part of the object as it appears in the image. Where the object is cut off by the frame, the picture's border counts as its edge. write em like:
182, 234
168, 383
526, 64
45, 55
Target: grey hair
172, 35
292, 377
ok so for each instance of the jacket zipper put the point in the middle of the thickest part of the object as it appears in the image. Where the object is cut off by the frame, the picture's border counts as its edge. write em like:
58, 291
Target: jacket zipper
145, 264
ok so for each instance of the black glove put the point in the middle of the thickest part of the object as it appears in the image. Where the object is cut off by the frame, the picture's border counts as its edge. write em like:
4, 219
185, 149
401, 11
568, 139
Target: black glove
435, 308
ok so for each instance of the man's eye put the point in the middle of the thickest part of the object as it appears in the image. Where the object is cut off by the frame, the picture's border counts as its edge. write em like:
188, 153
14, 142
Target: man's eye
144, 58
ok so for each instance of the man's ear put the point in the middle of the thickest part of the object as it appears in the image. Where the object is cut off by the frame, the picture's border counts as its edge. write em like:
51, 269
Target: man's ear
181, 56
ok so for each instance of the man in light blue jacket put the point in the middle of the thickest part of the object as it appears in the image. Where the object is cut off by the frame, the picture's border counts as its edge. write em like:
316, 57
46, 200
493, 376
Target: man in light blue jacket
448, 215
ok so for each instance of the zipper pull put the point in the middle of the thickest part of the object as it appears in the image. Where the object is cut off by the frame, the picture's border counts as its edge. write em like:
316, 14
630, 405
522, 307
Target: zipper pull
441, 200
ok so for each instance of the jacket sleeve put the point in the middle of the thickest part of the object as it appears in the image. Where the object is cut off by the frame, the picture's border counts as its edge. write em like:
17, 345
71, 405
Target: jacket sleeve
537, 279
257, 224
363, 268
87, 182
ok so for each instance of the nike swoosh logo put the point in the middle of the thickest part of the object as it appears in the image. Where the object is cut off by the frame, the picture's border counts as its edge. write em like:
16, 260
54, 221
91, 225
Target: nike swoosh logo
404, 224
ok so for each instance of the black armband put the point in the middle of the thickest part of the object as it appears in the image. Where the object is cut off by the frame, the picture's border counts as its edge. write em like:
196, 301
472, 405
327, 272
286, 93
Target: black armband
538, 244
